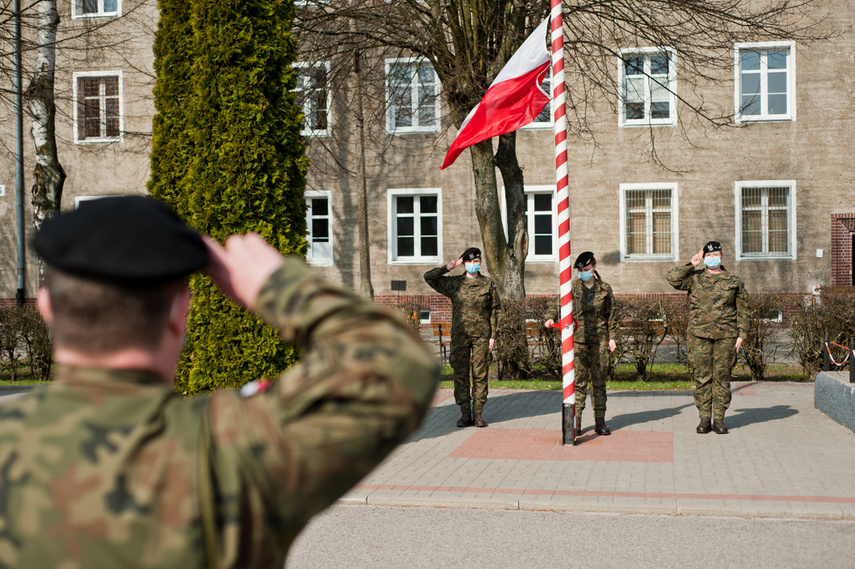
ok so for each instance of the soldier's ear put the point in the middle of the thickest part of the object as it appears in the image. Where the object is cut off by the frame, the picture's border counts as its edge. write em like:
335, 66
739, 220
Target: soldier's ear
44, 306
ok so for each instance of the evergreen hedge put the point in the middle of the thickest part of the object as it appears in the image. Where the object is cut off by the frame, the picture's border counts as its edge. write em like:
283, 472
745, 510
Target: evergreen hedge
228, 156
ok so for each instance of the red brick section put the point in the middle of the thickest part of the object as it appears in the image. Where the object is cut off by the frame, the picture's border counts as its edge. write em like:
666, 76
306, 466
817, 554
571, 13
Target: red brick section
545, 445
842, 229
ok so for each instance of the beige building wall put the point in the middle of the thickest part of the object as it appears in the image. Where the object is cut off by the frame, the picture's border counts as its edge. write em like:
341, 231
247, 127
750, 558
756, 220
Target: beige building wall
703, 166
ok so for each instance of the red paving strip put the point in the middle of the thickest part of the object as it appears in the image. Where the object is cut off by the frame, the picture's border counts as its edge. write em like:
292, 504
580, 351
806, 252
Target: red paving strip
545, 445
745, 390
441, 396
606, 494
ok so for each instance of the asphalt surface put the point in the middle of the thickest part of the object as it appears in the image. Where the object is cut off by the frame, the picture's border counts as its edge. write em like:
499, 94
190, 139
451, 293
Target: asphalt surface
367, 537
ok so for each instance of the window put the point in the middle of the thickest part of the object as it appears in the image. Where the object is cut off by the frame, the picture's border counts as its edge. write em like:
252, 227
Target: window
648, 222
313, 95
540, 208
765, 220
98, 108
414, 225
319, 223
96, 8
648, 81
412, 96
765, 82
544, 119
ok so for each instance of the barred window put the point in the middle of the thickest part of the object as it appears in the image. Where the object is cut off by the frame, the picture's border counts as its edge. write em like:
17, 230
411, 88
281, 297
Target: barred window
648, 223
98, 108
765, 220
540, 225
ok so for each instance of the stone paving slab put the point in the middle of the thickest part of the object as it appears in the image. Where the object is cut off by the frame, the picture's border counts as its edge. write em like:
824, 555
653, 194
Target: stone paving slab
782, 458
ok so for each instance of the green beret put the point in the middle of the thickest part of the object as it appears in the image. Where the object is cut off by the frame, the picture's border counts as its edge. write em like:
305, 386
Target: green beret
128, 239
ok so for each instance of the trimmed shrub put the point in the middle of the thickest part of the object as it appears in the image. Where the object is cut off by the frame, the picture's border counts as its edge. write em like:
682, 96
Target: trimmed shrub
228, 156
511, 355
764, 309
642, 330
813, 318
38, 342
10, 339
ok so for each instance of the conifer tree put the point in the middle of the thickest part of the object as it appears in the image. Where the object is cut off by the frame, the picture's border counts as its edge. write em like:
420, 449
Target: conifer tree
228, 155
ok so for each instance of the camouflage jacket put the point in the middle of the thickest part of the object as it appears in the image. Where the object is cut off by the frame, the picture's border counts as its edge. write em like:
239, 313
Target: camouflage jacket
106, 468
594, 313
718, 303
475, 303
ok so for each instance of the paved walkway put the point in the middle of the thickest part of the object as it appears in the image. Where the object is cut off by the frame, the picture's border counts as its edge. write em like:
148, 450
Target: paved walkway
782, 458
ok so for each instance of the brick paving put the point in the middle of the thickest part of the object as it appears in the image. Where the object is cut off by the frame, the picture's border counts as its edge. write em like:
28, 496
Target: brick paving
782, 458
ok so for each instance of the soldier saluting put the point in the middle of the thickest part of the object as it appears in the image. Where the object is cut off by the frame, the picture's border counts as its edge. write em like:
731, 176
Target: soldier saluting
718, 325
475, 309
108, 467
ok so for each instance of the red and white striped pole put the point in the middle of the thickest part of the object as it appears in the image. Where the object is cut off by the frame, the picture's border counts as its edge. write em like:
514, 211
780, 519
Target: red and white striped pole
568, 414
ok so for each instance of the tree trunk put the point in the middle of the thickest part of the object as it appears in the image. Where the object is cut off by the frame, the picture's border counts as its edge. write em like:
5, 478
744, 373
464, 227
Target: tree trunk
48, 174
366, 289
505, 259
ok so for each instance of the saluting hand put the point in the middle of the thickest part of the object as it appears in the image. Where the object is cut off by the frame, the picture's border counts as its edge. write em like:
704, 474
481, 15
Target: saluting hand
698, 258
242, 267
455, 263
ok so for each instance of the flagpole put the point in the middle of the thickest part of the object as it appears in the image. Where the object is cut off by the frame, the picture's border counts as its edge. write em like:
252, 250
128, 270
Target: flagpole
568, 414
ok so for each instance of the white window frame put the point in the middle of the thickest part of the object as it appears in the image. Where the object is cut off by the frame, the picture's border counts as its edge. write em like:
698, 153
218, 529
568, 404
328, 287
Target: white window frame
675, 222
534, 125
791, 220
77, 10
310, 259
78, 75
790, 46
391, 226
390, 128
305, 131
529, 192
647, 120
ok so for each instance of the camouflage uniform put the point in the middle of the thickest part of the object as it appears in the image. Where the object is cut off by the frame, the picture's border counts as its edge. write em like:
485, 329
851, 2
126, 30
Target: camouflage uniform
596, 323
718, 306
107, 468
475, 309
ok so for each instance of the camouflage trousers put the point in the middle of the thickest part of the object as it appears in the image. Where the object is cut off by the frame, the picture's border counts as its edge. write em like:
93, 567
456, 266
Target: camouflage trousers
591, 362
469, 353
712, 361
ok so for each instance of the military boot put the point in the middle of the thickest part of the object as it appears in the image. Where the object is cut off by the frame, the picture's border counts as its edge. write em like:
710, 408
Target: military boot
578, 426
465, 420
479, 420
704, 427
600, 426
718, 426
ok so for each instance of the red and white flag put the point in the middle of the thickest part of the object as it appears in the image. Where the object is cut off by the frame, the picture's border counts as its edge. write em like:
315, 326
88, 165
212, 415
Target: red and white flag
514, 99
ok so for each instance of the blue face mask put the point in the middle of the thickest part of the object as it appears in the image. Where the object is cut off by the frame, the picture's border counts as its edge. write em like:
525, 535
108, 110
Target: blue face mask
712, 262
586, 276
472, 268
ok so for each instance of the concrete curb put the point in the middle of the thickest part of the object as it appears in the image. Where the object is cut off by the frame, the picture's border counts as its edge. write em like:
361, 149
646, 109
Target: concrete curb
835, 396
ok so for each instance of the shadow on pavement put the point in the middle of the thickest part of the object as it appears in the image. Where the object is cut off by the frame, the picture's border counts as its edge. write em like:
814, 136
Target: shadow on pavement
744, 417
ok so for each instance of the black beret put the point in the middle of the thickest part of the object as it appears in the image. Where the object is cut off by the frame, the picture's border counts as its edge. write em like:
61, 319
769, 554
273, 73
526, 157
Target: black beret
127, 239
712, 247
584, 259
471, 253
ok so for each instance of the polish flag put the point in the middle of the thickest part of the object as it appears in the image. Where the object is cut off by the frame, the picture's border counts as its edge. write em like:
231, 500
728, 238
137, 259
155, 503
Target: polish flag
514, 99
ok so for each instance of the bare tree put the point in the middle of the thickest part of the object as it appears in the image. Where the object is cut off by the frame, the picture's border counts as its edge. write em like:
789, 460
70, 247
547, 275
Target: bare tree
469, 42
